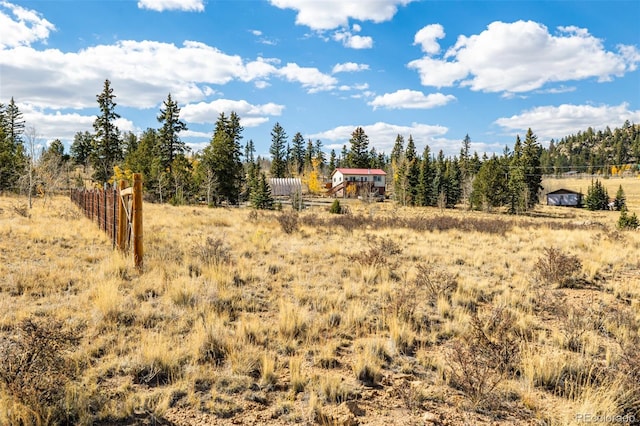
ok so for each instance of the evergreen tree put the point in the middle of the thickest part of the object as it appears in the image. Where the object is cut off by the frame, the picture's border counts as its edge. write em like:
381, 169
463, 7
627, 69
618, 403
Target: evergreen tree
107, 149
439, 179
333, 161
451, 183
261, 198
81, 148
170, 144
277, 151
358, 156
249, 152
597, 197
490, 185
222, 159
13, 160
344, 154
397, 170
516, 184
531, 167
297, 155
319, 154
412, 170
620, 201
425, 195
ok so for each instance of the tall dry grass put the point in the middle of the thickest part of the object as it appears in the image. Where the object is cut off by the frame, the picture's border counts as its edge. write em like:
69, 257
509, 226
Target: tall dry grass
355, 317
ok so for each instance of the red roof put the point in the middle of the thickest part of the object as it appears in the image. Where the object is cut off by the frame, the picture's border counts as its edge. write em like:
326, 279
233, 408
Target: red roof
360, 171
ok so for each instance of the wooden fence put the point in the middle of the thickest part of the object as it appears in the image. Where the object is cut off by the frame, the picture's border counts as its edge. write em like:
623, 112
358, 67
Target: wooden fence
118, 212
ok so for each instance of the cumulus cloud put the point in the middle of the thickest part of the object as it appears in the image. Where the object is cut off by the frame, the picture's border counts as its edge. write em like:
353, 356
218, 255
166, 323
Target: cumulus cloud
310, 78
558, 121
182, 5
521, 56
427, 37
141, 72
349, 67
411, 99
250, 115
21, 27
330, 14
353, 41
382, 135
64, 126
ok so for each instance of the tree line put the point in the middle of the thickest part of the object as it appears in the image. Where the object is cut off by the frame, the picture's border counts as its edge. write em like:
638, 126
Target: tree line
227, 171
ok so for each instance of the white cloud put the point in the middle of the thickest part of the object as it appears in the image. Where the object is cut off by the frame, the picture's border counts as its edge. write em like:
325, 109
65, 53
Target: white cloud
353, 41
522, 56
64, 126
182, 5
349, 67
23, 27
558, 121
310, 78
382, 135
330, 14
141, 72
411, 99
427, 37
250, 115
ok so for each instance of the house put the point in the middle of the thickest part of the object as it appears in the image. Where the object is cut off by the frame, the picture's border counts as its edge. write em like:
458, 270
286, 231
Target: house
564, 197
357, 182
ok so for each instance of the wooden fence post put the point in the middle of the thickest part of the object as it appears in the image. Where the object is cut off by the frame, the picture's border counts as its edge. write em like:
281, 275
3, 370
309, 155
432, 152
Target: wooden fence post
122, 218
137, 220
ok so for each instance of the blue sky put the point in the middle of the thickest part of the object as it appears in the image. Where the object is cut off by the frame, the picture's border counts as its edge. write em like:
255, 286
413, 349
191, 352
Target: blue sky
436, 70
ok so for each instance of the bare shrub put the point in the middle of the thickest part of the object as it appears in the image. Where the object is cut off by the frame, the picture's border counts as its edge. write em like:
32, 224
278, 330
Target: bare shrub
213, 251
556, 267
288, 221
22, 210
35, 369
479, 362
377, 253
436, 282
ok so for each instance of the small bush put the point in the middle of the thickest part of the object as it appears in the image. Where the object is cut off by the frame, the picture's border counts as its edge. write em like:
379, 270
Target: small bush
288, 222
378, 252
335, 208
482, 360
35, 370
627, 222
213, 251
556, 267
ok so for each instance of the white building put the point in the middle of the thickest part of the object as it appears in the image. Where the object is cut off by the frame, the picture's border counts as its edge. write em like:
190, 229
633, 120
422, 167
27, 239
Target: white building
354, 182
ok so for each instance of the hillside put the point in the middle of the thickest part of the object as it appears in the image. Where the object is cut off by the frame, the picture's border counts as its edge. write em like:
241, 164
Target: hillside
385, 316
602, 152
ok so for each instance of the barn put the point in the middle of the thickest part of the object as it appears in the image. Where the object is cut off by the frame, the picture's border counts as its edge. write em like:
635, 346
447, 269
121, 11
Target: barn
564, 197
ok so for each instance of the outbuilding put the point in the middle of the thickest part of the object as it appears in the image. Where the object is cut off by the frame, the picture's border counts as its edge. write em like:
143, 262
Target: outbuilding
564, 197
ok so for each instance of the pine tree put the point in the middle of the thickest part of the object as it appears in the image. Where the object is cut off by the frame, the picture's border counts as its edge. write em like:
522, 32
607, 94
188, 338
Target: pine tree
412, 170
358, 156
531, 167
222, 159
597, 197
620, 201
81, 148
170, 144
107, 149
277, 151
319, 155
425, 195
297, 153
516, 184
333, 161
261, 197
451, 183
13, 160
490, 185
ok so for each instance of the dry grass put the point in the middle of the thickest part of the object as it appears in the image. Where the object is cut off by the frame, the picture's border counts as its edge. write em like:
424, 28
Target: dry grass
370, 317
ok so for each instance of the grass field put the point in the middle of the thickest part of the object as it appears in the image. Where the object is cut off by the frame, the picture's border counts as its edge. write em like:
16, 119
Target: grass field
385, 316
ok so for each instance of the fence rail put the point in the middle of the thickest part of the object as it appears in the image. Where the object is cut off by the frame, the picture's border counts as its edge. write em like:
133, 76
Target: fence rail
118, 212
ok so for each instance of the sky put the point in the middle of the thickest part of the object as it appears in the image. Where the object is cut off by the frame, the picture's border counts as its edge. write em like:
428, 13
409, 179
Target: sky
432, 70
